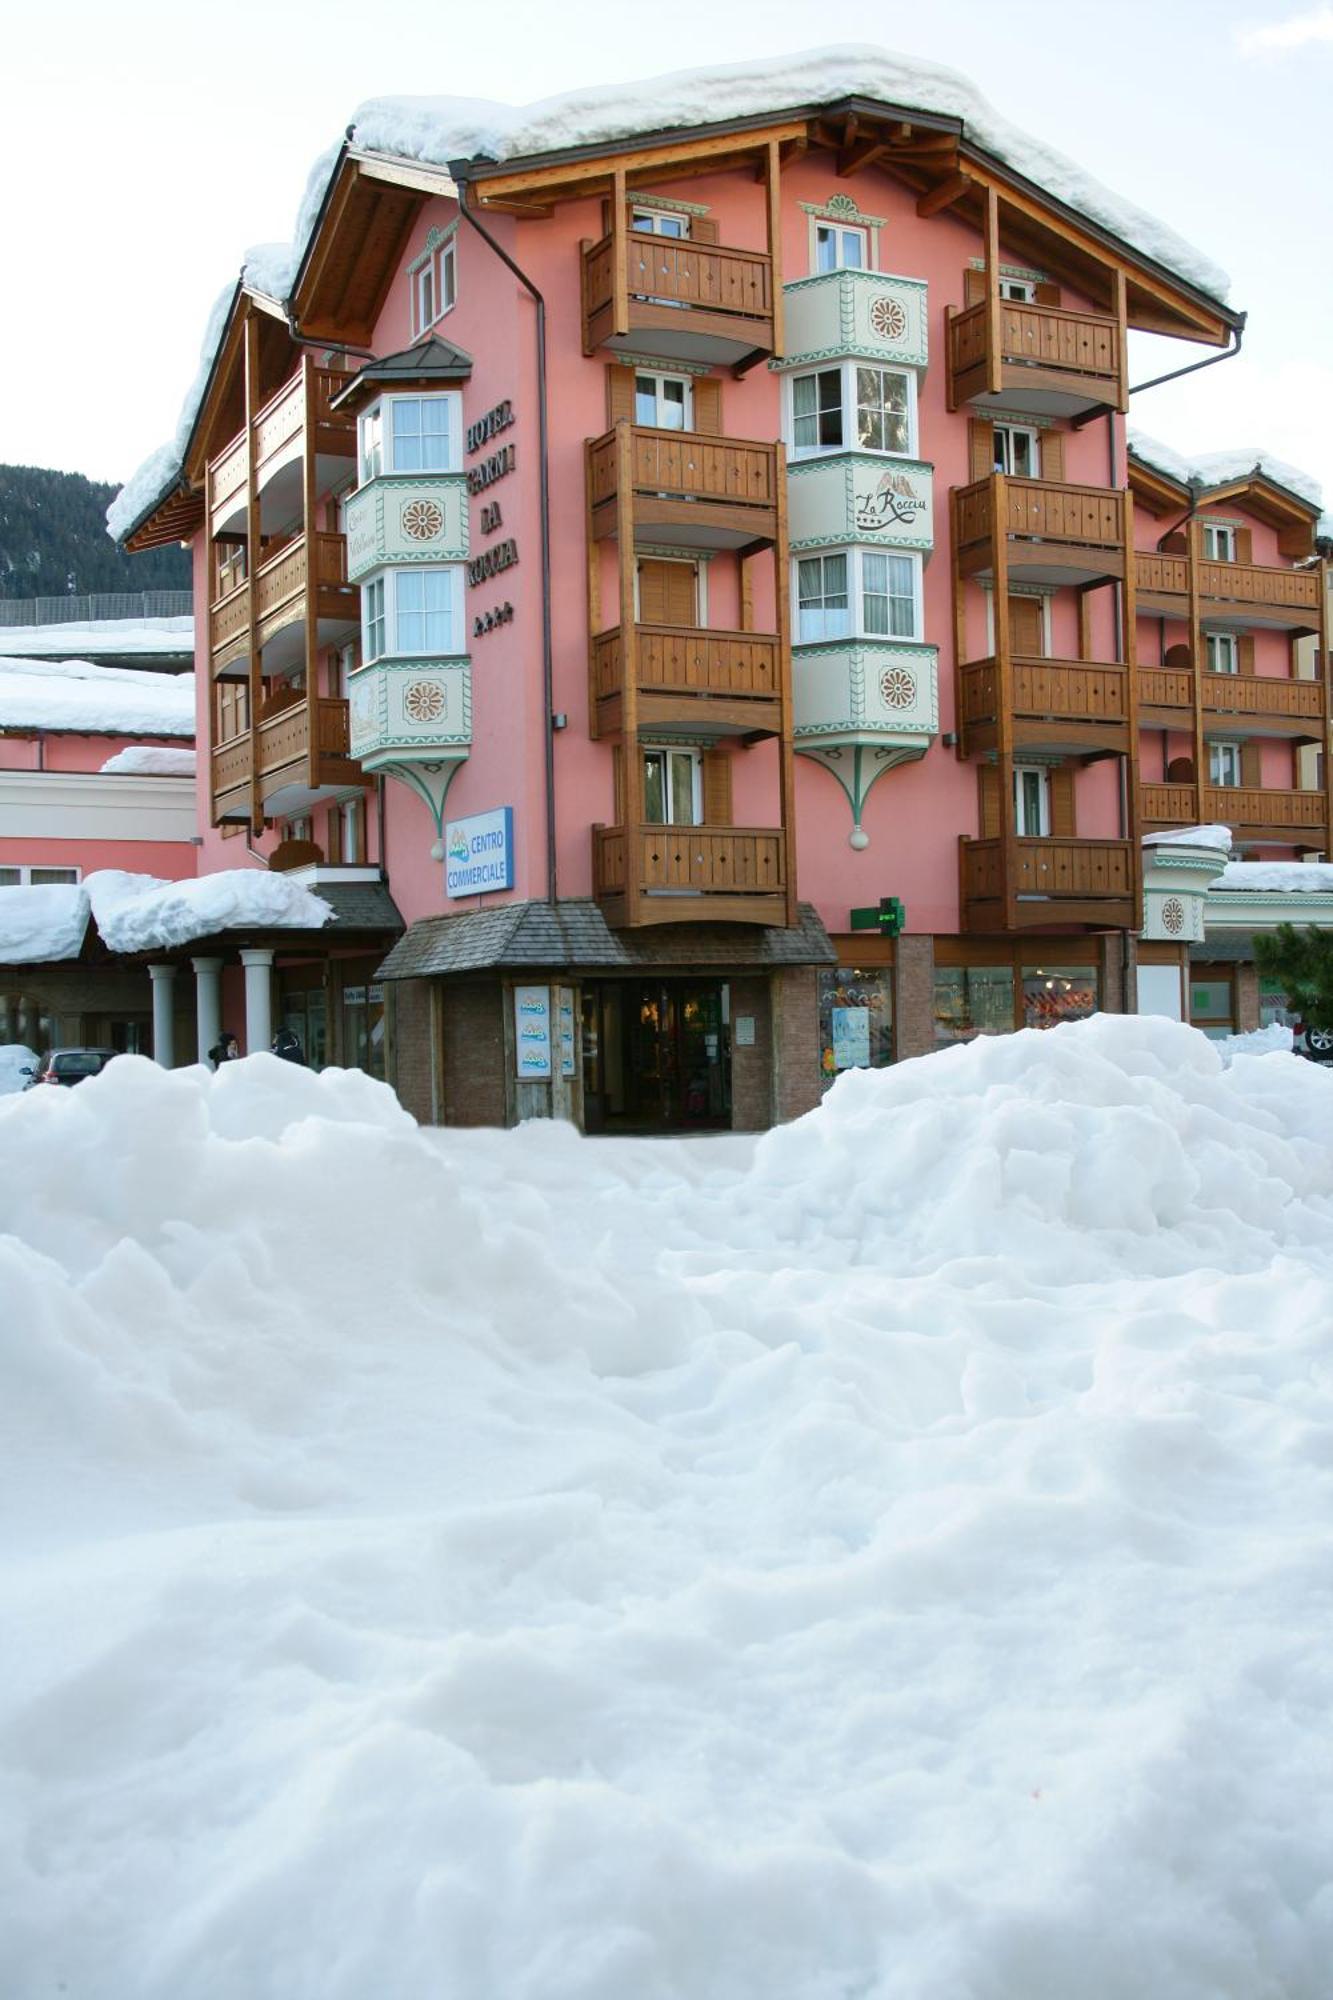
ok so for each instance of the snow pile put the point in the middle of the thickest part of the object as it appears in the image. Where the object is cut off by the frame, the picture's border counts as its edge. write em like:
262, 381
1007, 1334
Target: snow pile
440, 130
85, 639
1219, 468
79, 696
1289, 877
1218, 837
889, 1558
15, 1061
43, 924
141, 913
1273, 1040
146, 760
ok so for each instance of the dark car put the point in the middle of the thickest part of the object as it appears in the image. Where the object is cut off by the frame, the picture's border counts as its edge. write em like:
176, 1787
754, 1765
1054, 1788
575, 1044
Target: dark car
70, 1066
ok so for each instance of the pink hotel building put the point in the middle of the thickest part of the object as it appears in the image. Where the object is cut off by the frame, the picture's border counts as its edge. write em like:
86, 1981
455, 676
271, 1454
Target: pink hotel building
684, 574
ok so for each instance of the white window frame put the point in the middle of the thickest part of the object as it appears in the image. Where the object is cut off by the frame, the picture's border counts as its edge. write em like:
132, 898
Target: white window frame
667, 751
25, 871
439, 268
1018, 291
375, 436
1022, 773
1219, 646
374, 612
856, 596
847, 371
659, 376
1219, 541
1224, 758
387, 582
836, 232
1004, 434
653, 221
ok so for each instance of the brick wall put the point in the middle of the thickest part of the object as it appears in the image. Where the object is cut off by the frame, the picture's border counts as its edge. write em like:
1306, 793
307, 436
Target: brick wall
1119, 995
473, 1054
752, 1068
413, 1047
1247, 998
796, 1077
914, 996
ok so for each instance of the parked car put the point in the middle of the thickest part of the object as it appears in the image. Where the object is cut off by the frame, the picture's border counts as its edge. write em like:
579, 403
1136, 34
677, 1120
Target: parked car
70, 1066
18, 1065
1315, 1043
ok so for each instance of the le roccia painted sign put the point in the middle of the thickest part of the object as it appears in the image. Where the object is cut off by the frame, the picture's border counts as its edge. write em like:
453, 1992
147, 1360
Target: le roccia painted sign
479, 853
854, 496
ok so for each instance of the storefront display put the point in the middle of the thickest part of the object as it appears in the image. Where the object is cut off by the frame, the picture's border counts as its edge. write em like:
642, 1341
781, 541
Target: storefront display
1056, 993
855, 1018
972, 1000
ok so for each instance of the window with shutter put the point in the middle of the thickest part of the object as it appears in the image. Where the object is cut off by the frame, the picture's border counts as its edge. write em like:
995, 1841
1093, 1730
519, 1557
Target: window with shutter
981, 447
668, 593
1063, 824
717, 788
708, 405
619, 395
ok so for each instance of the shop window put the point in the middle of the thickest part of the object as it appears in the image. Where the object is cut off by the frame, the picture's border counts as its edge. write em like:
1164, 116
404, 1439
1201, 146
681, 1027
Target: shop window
363, 1029
25, 876
1273, 1008
305, 1013
1056, 993
973, 1000
855, 1019
1211, 1009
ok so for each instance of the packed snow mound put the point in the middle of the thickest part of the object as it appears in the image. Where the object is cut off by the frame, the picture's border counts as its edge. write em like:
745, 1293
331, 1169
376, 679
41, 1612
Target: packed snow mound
441, 130
42, 923
16, 1059
887, 1558
80, 696
1220, 468
143, 913
148, 760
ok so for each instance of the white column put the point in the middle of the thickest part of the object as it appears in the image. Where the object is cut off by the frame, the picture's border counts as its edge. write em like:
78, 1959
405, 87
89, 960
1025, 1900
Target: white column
258, 998
164, 1023
208, 1002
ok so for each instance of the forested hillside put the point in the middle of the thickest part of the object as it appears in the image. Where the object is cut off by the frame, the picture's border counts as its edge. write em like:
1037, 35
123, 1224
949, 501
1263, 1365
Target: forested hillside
54, 543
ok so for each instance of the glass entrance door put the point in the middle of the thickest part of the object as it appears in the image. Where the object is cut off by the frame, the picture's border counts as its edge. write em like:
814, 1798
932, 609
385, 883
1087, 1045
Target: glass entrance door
657, 1056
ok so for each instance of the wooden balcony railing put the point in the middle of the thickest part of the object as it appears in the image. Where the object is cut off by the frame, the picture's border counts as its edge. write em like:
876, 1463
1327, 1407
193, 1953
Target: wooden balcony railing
1263, 695
689, 672
1166, 687
1161, 576
705, 486
1070, 690
1256, 588
281, 584
231, 779
679, 874
1255, 806
1044, 350
305, 398
694, 291
1054, 881
229, 627
1065, 519
287, 738
1167, 805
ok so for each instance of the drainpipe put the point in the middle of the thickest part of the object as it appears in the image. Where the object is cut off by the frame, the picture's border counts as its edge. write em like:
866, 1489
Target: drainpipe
1227, 354
459, 170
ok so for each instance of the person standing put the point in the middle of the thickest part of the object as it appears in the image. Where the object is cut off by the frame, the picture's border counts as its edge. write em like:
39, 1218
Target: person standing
287, 1045
225, 1049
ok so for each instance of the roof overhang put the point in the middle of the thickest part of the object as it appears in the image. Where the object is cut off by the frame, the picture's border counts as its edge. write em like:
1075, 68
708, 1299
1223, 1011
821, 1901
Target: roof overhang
358, 243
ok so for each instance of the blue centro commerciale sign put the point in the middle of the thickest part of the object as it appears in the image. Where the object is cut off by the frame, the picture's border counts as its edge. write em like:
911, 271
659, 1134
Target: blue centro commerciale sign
479, 853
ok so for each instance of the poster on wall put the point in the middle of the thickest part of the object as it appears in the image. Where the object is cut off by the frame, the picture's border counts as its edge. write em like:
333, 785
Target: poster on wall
851, 1038
566, 1031
532, 1032
479, 853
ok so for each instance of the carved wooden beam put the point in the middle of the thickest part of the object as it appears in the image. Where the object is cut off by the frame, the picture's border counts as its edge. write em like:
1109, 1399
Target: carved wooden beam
943, 195
853, 158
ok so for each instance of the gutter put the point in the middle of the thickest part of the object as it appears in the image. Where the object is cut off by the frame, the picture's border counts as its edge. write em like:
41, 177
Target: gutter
460, 170
1192, 368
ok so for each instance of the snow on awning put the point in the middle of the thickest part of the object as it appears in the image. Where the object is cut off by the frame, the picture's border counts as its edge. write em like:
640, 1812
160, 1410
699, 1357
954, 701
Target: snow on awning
136, 913
42, 925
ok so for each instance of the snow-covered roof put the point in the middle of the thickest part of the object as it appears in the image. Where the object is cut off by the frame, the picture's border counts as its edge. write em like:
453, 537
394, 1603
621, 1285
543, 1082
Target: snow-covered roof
439, 130
79, 697
39, 926
1284, 877
143, 913
150, 760
173, 638
1218, 837
1223, 468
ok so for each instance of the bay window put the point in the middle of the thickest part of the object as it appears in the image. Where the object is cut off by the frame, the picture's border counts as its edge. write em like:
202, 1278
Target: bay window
858, 593
882, 418
816, 402
413, 612
853, 403
411, 434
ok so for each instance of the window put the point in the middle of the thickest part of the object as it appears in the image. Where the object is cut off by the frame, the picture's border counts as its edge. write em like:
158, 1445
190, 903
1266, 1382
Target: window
860, 592
1224, 763
1211, 1009
1219, 543
1222, 653
816, 402
1032, 800
882, 410
434, 286
1017, 451
883, 401
372, 620
651, 222
1022, 291
838, 248
663, 401
823, 607
27, 877
888, 595
411, 434
1056, 993
672, 787
855, 1019
347, 666
423, 606
973, 1000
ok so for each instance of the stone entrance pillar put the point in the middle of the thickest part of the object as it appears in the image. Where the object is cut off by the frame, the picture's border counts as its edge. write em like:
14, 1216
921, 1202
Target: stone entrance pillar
258, 998
208, 1002
164, 1025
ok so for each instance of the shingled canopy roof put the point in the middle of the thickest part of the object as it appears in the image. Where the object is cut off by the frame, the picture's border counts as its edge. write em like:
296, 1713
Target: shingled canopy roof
530, 936
428, 360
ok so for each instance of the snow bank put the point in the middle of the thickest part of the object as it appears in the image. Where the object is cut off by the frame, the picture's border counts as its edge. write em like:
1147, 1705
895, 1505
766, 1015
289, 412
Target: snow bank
1192, 836
79, 696
141, 913
1219, 468
439, 130
15, 1061
1274, 1040
84, 639
41, 925
146, 760
1290, 877
885, 1559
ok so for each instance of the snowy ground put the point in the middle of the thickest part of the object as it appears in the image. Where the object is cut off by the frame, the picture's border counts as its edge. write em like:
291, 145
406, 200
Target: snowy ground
887, 1559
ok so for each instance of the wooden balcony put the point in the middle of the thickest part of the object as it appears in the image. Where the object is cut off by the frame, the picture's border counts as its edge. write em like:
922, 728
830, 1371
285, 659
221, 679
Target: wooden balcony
1051, 884
695, 301
1056, 534
1039, 360
721, 683
1166, 697
1254, 813
300, 413
1270, 704
229, 635
1169, 805
1065, 706
283, 583
1229, 593
683, 489
299, 757
690, 874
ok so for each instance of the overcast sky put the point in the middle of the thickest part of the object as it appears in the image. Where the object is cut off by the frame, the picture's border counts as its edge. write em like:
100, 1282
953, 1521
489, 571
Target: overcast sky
150, 143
